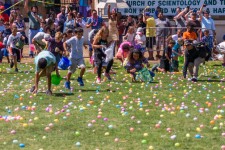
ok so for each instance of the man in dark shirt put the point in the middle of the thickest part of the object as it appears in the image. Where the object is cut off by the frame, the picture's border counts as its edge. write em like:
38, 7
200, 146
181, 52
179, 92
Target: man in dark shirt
190, 53
193, 58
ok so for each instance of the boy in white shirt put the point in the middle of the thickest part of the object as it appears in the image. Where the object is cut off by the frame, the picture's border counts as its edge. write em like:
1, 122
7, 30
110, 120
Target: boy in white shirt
13, 50
76, 44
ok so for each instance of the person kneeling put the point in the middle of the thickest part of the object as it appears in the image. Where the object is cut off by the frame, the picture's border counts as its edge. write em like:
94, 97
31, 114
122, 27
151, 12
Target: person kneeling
135, 63
45, 64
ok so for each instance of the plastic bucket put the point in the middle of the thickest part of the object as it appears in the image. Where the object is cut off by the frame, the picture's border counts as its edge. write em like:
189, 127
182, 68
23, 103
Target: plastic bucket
181, 59
64, 63
55, 79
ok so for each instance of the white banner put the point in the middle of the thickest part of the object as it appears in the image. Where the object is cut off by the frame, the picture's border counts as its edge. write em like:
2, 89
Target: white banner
216, 7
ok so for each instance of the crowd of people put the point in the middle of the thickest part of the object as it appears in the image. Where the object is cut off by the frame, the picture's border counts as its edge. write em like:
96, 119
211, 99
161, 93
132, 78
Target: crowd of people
61, 35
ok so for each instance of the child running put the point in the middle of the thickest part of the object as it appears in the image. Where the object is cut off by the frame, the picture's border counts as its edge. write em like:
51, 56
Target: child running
13, 50
99, 44
76, 44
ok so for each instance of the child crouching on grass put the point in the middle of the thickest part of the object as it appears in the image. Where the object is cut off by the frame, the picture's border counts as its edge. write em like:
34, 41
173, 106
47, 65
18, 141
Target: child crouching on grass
123, 51
45, 64
76, 44
135, 63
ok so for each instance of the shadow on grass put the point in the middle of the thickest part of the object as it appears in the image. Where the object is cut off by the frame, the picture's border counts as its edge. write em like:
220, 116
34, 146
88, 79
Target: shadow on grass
210, 80
94, 90
217, 65
138, 82
62, 94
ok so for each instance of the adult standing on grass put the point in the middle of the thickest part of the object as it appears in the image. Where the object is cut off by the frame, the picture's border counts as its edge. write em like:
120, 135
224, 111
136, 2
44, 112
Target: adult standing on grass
45, 64
61, 17
34, 23
150, 33
113, 30
194, 21
94, 22
162, 31
208, 24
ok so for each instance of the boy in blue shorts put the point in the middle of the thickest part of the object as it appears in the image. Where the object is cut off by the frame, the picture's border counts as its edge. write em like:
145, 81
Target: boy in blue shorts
76, 44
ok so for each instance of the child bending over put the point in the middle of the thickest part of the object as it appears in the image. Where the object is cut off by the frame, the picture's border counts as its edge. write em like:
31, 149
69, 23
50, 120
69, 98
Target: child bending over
135, 63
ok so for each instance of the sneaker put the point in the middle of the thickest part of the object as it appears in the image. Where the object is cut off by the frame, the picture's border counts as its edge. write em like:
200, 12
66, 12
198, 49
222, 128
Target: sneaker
32, 89
16, 70
98, 80
48, 92
80, 80
11, 64
108, 76
67, 85
194, 80
31, 55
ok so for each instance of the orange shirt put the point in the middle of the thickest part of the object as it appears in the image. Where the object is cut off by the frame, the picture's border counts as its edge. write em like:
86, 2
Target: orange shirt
189, 35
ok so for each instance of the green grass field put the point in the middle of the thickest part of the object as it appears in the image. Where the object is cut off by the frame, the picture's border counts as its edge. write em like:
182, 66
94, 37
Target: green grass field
170, 113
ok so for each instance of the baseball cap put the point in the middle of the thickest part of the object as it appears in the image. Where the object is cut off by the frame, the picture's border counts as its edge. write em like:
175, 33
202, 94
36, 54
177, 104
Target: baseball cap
187, 42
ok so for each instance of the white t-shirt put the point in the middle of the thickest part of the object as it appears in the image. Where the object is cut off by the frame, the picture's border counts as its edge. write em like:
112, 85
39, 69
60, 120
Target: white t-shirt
76, 47
12, 40
140, 40
40, 36
221, 47
130, 37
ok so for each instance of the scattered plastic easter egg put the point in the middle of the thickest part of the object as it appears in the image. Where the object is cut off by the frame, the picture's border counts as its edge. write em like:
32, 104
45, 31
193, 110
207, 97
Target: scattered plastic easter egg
143, 141
21, 145
78, 144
